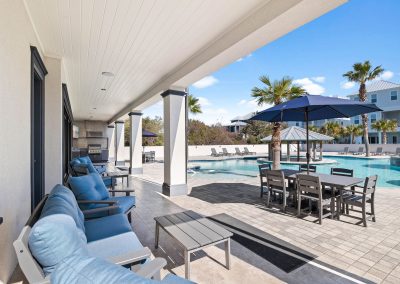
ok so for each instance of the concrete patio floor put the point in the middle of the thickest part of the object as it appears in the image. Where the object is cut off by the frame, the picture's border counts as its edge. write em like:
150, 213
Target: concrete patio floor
274, 247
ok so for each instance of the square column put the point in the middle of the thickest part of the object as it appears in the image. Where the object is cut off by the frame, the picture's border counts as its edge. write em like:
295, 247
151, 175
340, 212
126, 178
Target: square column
111, 144
175, 143
135, 143
119, 141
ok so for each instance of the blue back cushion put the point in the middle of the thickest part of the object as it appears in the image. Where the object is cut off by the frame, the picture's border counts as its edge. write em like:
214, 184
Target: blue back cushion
54, 238
61, 200
89, 187
85, 160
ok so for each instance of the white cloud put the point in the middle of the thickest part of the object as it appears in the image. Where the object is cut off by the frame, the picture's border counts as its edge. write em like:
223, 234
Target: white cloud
240, 59
242, 102
204, 102
247, 106
386, 75
205, 82
311, 87
213, 115
347, 85
319, 79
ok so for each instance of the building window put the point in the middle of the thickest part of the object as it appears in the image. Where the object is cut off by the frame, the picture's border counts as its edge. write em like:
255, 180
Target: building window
297, 124
373, 117
394, 139
355, 98
393, 95
357, 120
373, 98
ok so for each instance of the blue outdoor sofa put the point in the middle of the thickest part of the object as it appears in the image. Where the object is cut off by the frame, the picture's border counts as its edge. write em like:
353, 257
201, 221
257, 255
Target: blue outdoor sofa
58, 245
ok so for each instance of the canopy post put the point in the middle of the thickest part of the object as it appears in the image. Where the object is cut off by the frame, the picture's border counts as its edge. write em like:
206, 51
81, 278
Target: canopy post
298, 151
308, 144
314, 144
320, 150
288, 151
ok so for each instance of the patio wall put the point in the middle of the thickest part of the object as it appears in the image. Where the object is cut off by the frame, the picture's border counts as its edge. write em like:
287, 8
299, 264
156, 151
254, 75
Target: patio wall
354, 147
16, 36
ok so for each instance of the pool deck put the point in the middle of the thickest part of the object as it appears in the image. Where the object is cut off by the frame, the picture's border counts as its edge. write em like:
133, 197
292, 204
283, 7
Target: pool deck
270, 246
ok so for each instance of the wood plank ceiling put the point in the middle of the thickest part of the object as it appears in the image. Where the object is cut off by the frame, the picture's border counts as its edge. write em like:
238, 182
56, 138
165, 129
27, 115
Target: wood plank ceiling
138, 41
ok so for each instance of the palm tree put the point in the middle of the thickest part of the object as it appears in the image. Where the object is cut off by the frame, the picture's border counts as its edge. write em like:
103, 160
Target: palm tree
313, 128
362, 73
385, 125
194, 105
276, 92
354, 130
332, 128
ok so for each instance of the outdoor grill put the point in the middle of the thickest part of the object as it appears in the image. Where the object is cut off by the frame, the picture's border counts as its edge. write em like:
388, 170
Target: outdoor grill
94, 149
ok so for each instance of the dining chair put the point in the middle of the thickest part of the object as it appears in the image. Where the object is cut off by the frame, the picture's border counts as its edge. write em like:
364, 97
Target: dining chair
311, 168
359, 196
276, 184
263, 177
309, 187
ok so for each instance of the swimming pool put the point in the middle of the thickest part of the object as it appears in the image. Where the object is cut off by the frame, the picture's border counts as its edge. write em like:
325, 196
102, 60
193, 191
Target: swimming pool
237, 169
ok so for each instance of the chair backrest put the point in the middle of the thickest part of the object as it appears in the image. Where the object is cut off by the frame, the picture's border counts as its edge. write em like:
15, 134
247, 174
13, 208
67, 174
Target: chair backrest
263, 171
370, 184
360, 149
308, 184
398, 151
341, 172
276, 179
29, 266
311, 168
213, 151
246, 150
237, 150
224, 151
379, 150
346, 149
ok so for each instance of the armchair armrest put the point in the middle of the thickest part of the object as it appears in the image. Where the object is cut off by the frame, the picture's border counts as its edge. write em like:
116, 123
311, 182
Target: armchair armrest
97, 202
99, 209
151, 268
352, 191
131, 257
127, 191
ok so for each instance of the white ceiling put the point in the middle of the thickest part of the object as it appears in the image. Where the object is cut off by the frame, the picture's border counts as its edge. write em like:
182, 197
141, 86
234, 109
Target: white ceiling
152, 44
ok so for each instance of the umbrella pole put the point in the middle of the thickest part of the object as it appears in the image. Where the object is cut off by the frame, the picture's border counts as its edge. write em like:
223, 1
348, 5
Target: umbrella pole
308, 146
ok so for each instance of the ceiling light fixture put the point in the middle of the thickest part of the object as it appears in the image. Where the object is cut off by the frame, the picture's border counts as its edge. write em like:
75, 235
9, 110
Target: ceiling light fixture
107, 74
103, 89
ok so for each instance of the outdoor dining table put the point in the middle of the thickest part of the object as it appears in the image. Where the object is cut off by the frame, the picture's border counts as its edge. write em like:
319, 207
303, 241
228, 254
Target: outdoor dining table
335, 182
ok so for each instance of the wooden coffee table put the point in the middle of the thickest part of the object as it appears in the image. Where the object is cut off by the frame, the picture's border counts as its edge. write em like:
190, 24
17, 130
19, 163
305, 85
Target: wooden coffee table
193, 232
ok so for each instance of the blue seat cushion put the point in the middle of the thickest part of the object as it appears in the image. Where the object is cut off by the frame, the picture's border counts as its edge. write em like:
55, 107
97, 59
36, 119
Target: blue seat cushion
174, 279
115, 245
105, 227
89, 187
62, 201
85, 269
54, 238
125, 203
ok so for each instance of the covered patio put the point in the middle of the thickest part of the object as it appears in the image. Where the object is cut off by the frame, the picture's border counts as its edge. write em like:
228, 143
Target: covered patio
96, 64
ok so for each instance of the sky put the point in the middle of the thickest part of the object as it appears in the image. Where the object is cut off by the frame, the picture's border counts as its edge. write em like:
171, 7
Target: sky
315, 55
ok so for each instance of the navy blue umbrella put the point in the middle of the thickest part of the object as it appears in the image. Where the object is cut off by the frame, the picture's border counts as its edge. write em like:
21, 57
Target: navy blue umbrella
308, 108
146, 133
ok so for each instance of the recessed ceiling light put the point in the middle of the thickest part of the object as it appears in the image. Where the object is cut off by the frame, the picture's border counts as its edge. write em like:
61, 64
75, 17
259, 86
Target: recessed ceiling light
94, 108
103, 89
108, 74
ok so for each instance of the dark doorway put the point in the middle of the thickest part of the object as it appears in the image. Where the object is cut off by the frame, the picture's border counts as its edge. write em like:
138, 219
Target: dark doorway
38, 72
66, 132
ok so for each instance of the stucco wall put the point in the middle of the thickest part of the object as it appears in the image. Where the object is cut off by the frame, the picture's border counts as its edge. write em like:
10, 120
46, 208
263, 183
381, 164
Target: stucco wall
16, 36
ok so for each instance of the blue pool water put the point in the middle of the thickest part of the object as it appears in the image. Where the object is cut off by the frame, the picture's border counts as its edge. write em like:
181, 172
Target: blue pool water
388, 176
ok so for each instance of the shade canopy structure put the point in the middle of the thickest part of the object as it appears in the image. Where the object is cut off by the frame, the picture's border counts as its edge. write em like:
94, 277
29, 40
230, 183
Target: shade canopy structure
295, 133
146, 133
310, 107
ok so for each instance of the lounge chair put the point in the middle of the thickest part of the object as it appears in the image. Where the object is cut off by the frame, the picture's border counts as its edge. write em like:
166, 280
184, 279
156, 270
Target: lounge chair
309, 187
360, 198
397, 153
214, 153
263, 177
247, 152
345, 151
90, 188
360, 151
238, 152
311, 168
225, 152
378, 152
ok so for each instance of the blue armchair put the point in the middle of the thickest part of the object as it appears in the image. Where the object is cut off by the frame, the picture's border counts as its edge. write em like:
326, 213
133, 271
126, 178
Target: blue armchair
84, 165
91, 188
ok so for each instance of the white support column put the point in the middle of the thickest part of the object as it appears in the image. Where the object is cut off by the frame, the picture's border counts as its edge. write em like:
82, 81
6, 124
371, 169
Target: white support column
111, 140
135, 148
175, 156
314, 144
119, 142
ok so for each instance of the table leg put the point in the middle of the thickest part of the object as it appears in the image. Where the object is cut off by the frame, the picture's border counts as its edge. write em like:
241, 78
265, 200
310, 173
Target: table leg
187, 264
228, 253
157, 235
127, 181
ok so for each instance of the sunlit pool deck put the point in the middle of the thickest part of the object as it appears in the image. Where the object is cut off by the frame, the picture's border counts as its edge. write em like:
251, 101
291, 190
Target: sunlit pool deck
280, 247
